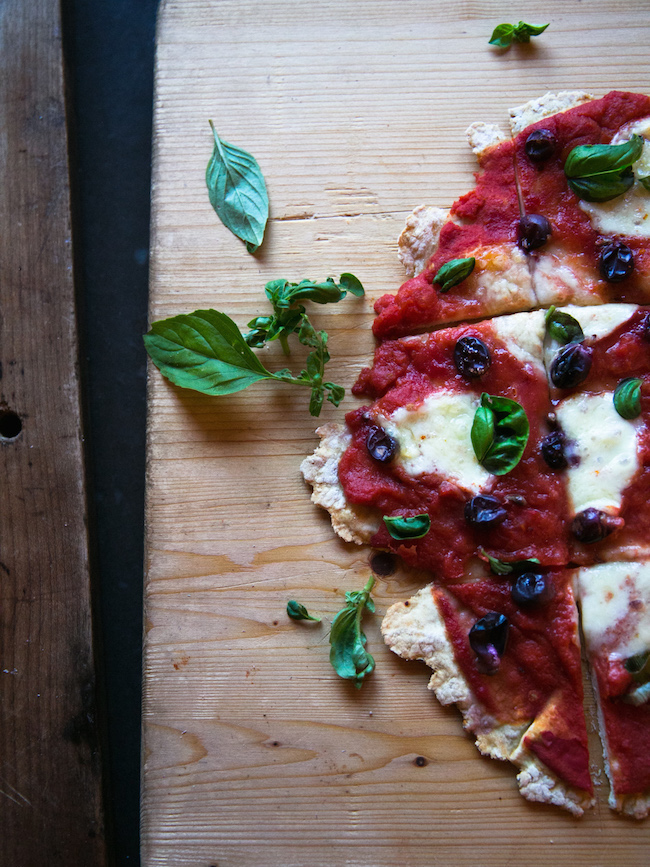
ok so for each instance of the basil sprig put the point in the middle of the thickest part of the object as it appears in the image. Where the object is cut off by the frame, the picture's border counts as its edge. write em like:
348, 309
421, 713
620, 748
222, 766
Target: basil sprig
206, 351
413, 527
499, 433
454, 272
627, 398
563, 327
297, 611
501, 567
237, 191
288, 312
598, 173
505, 34
348, 654
639, 667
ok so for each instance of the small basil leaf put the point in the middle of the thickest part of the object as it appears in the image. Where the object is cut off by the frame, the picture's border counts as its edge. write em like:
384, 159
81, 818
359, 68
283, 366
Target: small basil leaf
638, 666
563, 327
627, 398
638, 696
454, 272
352, 285
237, 192
502, 35
645, 182
348, 654
523, 31
501, 567
587, 160
602, 187
336, 393
297, 611
414, 527
205, 351
510, 433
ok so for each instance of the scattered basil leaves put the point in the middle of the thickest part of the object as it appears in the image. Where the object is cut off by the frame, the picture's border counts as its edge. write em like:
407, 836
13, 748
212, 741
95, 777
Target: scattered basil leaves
454, 272
563, 327
598, 173
297, 611
505, 34
413, 527
499, 433
237, 191
627, 398
348, 654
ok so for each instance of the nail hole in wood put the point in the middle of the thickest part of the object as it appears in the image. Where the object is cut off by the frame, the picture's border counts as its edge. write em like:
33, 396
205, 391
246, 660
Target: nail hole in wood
10, 424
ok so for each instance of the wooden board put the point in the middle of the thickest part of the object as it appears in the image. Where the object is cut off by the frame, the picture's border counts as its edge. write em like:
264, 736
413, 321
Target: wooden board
50, 772
254, 752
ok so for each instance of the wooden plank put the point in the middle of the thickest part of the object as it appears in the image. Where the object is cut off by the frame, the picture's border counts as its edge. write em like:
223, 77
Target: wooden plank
50, 775
254, 752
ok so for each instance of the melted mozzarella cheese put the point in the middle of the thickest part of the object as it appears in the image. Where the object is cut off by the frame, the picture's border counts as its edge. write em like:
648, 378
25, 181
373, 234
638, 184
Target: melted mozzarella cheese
606, 448
615, 605
435, 437
628, 214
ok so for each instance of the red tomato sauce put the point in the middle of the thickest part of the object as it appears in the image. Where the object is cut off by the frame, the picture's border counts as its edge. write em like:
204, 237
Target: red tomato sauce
627, 730
492, 212
540, 665
404, 373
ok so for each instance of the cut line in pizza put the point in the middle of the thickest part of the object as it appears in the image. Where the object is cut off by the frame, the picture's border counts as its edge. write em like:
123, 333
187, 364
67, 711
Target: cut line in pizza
504, 445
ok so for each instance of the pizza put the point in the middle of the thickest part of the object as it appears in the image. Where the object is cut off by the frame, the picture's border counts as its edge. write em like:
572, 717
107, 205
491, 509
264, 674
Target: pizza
502, 446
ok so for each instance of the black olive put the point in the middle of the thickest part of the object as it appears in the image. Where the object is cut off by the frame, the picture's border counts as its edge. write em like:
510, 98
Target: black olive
616, 262
484, 511
540, 145
553, 450
571, 365
534, 232
529, 588
488, 638
381, 445
471, 357
592, 525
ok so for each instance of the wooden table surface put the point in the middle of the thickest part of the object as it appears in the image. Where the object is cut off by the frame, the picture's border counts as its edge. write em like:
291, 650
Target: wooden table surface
255, 753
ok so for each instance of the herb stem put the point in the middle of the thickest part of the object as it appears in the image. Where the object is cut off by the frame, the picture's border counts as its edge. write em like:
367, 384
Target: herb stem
284, 343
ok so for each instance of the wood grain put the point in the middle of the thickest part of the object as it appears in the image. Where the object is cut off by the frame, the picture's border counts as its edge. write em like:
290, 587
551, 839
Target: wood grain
254, 752
50, 775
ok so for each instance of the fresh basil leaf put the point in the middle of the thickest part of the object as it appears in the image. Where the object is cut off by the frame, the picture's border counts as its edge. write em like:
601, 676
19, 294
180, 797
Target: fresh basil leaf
352, 285
501, 567
587, 160
297, 611
639, 666
336, 393
563, 327
603, 187
413, 527
237, 191
505, 34
627, 398
523, 31
454, 272
348, 654
204, 351
499, 433
645, 182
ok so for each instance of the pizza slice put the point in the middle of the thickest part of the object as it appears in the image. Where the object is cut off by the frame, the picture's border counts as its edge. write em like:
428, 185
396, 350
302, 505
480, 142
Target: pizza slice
465, 263
580, 165
598, 359
445, 466
507, 653
615, 608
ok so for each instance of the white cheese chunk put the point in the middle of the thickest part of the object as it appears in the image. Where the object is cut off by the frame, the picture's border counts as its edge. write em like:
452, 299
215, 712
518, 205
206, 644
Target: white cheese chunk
434, 437
615, 605
628, 214
606, 447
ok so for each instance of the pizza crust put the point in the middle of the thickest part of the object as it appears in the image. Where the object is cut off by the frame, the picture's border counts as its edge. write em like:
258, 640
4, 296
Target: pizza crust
415, 630
544, 106
351, 523
419, 238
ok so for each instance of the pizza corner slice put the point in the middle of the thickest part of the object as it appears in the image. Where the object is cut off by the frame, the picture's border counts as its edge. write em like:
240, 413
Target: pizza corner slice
445, 468
464, 263
507, 654
582, 167
598, 361
614, 601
